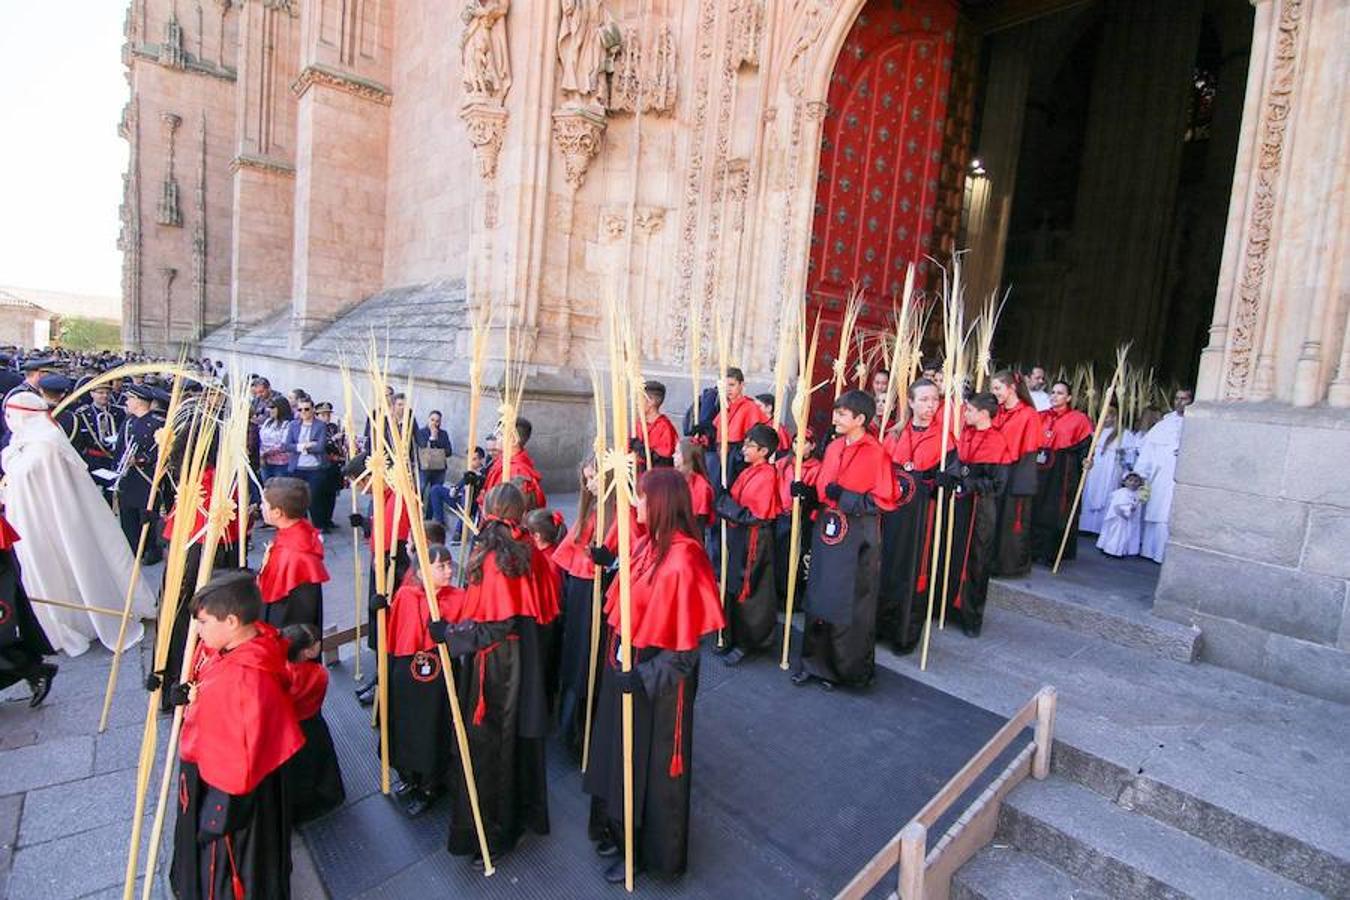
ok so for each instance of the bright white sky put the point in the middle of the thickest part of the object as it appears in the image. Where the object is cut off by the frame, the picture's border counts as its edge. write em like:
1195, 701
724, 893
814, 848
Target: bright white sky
61, 161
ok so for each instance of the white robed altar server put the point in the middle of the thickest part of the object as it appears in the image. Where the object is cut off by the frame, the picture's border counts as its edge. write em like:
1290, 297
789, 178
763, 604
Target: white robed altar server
71, 548
1122, 525
1103, 478
1157, 465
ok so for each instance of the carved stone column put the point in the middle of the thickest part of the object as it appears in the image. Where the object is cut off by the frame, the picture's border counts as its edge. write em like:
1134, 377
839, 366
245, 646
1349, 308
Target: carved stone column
577, 133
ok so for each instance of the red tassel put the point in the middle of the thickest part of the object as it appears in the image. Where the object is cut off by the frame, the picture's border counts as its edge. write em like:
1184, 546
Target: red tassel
480, 709
750, 552
1017, 517
965, 561
922, 584
211, 892
235, 881
677, 756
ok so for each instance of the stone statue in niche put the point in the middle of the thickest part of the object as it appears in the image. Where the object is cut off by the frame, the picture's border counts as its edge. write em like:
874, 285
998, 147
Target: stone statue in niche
588, 40
486, 65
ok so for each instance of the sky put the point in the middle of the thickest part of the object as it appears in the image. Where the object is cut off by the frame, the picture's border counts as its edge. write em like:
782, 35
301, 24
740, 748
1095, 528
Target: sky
61, 161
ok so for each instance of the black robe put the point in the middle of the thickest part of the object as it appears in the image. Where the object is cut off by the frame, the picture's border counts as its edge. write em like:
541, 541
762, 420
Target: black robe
574, 660
421, 729
302, 606
252, 853
1013, 531
663, 740
976, 523
500, 681
227, 556
751, 600
1057, 483
839, 642
23, 643
907, 536
314, 778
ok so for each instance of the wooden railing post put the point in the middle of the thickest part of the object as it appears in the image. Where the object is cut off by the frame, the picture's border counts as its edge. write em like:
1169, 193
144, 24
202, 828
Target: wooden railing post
913, 850
1045, 732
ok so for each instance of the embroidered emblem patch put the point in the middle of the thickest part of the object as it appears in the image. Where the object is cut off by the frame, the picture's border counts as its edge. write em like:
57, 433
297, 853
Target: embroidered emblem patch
833, 527
6, 612
907, 486
425, 666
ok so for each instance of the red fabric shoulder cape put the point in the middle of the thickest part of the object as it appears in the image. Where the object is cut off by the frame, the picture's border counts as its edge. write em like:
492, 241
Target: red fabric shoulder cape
309, 685
231, 535
756, 489
742, 415
571, 554
675, 603
294, 558
242, 726
862, 467
786, 468
406, 625
661, 436
921, 449
1021, 429
987, 447
497, 598
700, 494
1061, 430
521, 465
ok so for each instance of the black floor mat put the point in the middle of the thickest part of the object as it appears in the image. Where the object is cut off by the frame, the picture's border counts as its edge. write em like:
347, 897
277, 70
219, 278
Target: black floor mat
794, 790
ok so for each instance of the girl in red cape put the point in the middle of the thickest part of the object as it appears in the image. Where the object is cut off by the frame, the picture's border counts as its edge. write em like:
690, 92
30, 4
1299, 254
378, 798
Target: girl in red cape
1066, 435
1020, 425
675, 604
233, 835
421, 734
689, 461
786, 467
313, 776
501, 641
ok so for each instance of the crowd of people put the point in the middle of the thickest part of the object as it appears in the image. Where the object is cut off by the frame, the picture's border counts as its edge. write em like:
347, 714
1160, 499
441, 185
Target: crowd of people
894, 533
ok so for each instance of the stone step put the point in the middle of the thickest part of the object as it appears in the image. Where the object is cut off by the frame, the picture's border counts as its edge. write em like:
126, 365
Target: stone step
1127, 854
1000, 872
1122, 617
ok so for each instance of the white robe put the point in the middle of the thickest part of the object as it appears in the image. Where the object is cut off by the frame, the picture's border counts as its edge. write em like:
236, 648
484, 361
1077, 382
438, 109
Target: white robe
1040, 400
70, 546
1157, 463
1121, 528
1104, 478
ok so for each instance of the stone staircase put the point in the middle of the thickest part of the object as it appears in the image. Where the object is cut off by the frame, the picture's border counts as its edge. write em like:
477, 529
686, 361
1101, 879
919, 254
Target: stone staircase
1169, 778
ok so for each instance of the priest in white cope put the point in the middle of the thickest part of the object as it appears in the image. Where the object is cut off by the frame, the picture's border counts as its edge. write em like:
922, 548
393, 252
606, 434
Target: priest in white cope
71, 548
1157, 465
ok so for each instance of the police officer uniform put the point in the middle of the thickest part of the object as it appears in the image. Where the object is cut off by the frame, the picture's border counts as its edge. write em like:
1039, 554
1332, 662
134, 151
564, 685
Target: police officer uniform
138, 453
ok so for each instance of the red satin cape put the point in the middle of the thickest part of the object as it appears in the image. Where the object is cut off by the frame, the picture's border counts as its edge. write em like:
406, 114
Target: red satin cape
294, 558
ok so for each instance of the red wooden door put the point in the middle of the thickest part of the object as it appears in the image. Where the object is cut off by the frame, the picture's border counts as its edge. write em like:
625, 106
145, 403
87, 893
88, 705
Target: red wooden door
880, 159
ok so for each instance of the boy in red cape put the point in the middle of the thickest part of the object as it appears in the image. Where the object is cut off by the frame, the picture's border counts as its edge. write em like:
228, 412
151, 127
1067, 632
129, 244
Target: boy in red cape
743, 413
233, 835
855, 485
292, 574
750, 508
421, 734
522, 467
1066, 435
909, 533
675, 604
1020, 425
984, 461
500, 638
659, 436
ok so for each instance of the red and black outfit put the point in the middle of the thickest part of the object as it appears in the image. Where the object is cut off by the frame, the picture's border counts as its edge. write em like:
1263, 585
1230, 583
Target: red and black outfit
313, 776
291, 577
1021, 430
227, 556
854, 487
23, 643
702, 496
421, 731
908, 534
743, 413
979, 478
660, 437
578, 594
233, 836
394, 544
674, 605
500, 640
522, 467
1066, 435
782, 530
750, 603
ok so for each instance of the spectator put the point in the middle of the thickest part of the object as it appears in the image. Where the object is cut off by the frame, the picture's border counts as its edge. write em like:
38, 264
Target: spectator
306, 448
441, 499
432, 464
273, 457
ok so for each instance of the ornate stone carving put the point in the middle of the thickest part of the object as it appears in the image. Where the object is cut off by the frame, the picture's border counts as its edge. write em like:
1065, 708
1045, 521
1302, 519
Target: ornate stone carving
129, 241
613, 226
747, 30
738, 188
588, 40
268, 164
1275, 109
649, 219
645, 75
815, 16
171, 52
486, 65
168, 274
168, 211
486, 124
577, 133
317, 73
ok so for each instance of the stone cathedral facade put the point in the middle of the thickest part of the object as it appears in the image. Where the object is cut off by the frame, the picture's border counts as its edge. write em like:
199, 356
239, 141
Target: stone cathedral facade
305, 174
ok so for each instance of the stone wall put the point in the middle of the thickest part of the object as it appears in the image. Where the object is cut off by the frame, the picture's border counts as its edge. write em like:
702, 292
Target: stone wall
1259, 556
